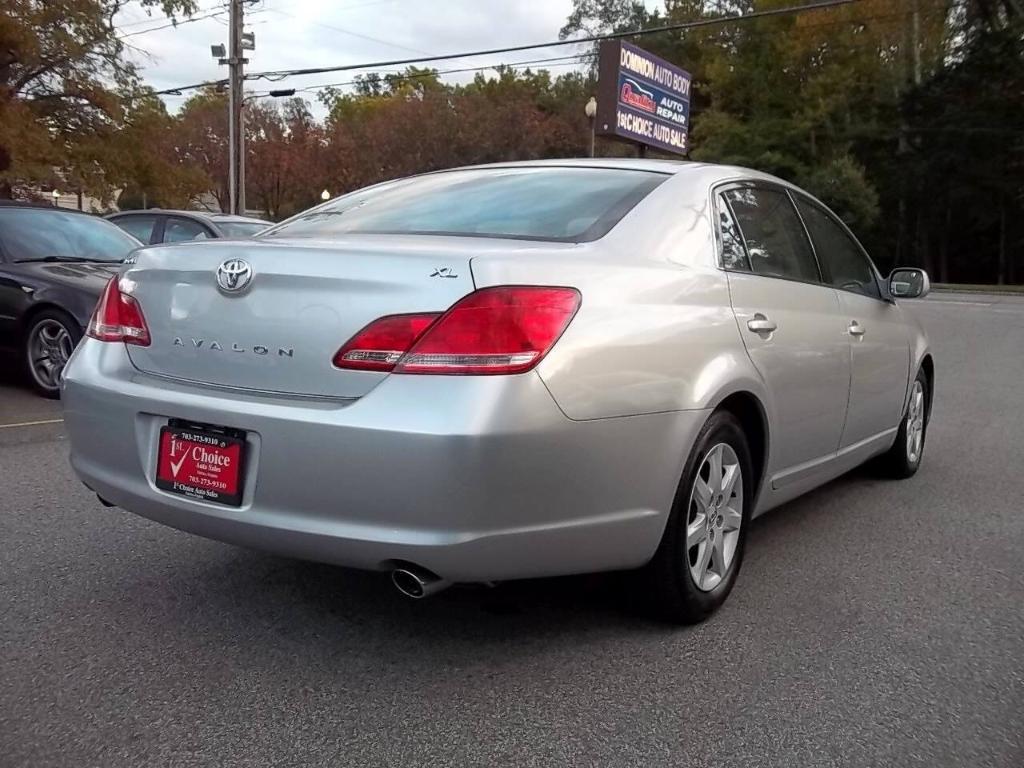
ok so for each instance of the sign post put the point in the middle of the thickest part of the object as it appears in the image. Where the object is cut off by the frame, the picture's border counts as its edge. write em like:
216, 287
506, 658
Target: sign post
642, 99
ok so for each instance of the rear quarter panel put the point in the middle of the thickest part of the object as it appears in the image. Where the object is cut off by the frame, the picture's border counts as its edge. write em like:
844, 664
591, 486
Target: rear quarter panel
655, 331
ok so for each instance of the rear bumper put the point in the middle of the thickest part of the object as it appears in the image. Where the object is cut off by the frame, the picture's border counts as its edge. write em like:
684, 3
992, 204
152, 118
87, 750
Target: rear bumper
474, 478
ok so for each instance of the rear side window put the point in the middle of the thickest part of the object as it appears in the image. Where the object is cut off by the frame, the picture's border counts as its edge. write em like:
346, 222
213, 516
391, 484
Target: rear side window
847, 266
532, 203
140, 227
241, 228
734, 254
775, 237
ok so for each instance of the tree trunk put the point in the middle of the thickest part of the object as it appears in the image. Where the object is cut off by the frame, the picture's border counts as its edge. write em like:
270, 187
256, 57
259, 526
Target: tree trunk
922, 244
944, 244
1001, 276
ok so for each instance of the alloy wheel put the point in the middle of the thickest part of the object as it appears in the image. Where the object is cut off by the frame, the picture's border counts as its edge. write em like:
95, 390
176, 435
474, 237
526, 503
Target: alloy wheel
915, 423
715, 516
49, 347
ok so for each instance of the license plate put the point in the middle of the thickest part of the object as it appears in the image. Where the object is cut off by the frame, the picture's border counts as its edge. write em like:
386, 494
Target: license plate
205, 464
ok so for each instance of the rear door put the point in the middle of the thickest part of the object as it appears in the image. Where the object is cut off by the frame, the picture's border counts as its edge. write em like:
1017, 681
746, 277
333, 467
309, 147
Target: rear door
790, 323
877, 332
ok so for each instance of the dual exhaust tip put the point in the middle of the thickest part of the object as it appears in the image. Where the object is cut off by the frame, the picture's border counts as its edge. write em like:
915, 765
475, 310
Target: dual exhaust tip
417, 583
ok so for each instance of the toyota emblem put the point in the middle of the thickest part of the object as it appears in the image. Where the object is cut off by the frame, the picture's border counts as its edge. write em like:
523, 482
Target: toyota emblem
234, 275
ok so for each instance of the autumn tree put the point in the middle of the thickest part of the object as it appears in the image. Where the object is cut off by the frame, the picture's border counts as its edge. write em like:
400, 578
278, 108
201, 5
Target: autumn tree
905, 116
284, 148
64, 87
202, 140
411, 122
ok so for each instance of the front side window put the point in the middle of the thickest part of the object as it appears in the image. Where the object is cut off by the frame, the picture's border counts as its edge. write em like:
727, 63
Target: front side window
179, 230
561, 204
40, 234
775, 237
139, 227
847, 266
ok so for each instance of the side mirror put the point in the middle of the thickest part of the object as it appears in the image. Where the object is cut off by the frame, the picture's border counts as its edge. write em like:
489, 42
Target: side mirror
909, 283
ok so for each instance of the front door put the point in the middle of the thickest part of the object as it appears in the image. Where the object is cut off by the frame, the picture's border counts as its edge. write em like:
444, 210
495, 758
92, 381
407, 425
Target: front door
877, 332
790, 323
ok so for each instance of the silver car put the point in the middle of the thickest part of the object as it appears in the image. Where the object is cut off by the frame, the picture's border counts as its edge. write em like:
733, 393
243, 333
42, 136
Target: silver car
506, 372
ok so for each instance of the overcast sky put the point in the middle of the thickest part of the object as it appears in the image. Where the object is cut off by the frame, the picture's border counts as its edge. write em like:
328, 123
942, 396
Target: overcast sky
314, 33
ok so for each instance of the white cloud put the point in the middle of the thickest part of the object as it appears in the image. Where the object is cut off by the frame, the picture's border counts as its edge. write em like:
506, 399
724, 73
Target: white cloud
314, 33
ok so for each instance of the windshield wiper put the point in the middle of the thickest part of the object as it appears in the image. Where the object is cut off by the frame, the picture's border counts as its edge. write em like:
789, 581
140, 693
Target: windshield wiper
75, 259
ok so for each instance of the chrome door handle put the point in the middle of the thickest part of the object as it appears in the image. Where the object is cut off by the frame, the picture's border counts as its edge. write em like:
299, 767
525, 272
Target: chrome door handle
856, 329
761, 324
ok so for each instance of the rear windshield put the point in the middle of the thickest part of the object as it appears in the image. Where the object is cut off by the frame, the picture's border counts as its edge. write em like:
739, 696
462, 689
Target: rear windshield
531, 203
241, 228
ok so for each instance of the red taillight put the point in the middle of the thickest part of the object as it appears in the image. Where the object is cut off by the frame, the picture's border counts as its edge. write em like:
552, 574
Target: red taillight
502, 330
118, 317
382, 343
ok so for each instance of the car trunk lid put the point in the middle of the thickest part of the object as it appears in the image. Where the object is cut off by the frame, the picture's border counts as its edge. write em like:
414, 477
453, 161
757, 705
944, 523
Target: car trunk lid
304, 300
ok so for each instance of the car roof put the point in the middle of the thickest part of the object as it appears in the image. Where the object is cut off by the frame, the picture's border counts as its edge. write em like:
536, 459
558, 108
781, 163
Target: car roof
239, 219
43, 206
710, 173
214, 216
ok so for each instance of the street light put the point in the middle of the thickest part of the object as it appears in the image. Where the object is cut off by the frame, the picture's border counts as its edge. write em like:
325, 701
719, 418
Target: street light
591, 112
276, 94
56, 197
325, 195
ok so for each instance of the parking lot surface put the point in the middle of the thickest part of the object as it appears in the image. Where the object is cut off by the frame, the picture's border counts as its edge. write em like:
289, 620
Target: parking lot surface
874, 623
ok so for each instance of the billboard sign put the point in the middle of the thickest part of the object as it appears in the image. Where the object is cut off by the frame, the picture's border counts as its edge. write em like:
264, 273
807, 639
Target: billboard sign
642, 98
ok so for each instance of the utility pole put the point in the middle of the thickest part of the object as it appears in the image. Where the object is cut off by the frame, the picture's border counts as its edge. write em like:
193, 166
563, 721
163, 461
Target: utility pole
916, 44
236, 129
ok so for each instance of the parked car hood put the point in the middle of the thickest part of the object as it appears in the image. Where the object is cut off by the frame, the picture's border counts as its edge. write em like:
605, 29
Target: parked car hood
90, 276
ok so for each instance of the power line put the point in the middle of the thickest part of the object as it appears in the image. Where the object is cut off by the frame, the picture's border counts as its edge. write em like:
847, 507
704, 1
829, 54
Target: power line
173, 24
279, 74
222, 9
151, 19
563, 61
350, 32
551, 62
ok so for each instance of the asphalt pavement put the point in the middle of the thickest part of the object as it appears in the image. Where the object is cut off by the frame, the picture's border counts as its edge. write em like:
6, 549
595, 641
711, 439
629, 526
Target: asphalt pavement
875, 623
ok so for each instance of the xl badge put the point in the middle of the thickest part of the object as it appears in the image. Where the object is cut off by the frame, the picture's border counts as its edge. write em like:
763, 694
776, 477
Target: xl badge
234, 275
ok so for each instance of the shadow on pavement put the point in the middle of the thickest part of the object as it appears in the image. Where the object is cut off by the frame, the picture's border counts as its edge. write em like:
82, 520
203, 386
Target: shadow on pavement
230, 594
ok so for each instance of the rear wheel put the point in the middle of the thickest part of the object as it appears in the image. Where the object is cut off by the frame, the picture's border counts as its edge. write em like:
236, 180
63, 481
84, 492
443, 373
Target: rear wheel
904, 458
51, 338
701, 551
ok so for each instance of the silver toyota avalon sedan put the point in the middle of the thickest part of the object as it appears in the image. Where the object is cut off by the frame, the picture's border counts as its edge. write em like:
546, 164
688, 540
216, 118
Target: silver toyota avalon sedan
505, 372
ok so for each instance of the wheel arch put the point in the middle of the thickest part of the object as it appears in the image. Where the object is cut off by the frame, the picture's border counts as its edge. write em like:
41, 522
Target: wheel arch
928, 366
38, 308
748, 409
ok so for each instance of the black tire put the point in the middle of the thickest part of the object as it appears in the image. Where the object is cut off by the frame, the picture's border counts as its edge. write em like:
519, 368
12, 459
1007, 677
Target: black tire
900, 462
56, 332
672, 591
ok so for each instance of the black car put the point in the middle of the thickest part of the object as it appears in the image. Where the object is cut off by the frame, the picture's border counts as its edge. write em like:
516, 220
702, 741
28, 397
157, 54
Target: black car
54, 264
154, 225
